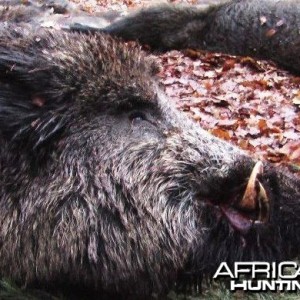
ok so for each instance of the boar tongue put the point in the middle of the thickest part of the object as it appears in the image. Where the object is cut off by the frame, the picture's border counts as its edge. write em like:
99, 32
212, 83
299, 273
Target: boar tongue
237, 220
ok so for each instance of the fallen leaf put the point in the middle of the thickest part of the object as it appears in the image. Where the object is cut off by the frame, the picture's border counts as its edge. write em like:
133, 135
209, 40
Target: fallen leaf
221, 133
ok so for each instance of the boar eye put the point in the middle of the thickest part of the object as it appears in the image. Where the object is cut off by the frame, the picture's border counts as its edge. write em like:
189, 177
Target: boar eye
137, 117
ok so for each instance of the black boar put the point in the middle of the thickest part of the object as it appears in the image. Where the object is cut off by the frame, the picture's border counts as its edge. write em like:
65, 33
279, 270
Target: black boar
265, 29
105, 186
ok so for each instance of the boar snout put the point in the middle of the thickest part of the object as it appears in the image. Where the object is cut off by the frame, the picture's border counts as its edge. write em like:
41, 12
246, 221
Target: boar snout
242, 199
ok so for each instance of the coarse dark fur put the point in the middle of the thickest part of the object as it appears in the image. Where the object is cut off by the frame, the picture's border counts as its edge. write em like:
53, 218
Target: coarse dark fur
105, 186
264, 29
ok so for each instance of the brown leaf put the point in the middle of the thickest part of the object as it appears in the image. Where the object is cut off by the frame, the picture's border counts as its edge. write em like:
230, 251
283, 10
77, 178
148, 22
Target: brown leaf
230, 124
221, 133
296, 99
262, 125
295, 156
193, 54
228, 64
256, 84
251, 63
275, 157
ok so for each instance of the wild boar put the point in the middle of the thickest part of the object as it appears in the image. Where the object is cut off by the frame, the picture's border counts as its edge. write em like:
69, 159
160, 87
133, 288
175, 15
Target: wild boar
106, 187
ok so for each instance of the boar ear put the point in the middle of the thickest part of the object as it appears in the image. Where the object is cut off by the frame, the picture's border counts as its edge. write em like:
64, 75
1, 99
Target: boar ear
26, 119
29, 114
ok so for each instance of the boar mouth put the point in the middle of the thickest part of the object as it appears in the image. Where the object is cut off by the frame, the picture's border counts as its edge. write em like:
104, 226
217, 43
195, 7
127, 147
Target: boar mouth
253, 209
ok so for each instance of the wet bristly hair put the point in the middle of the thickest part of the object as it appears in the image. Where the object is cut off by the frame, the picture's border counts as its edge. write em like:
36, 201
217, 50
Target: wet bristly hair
106, 187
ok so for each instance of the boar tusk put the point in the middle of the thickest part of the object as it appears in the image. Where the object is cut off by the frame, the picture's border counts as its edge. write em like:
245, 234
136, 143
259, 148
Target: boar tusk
264, 204
249, 200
